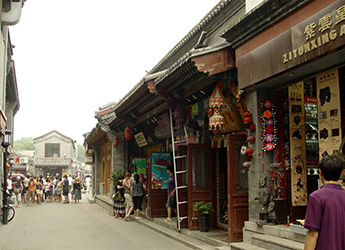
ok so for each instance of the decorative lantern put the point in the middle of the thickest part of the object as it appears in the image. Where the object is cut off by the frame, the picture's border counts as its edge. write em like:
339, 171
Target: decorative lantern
217, 121
180, 116
128, 133
250, 139
116, 141
217, 102
249, 151
247, 120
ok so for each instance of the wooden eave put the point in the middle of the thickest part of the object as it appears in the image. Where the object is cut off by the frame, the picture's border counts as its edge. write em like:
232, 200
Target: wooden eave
95, 136
260, 19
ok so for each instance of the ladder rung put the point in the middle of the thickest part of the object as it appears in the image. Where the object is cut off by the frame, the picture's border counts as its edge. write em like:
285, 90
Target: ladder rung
180, 187
180, 142
181, 172
182, 202
182, 218
180, 156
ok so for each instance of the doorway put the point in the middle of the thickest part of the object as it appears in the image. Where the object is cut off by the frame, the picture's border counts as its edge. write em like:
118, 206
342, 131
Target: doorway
221, 188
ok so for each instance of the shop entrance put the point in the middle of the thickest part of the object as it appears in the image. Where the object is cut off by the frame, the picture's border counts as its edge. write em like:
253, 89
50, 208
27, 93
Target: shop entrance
237, 188
222, 188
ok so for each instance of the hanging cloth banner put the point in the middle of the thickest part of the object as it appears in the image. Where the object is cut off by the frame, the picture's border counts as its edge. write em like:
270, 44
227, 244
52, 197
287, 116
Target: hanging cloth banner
329, 118
219, 143
297, 145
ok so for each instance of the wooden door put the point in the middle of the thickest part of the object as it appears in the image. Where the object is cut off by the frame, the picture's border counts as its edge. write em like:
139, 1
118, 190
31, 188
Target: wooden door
237, 188
199, 180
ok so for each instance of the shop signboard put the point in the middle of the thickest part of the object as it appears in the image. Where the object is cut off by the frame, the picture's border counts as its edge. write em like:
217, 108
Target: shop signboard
140, 139
88, 159
163, 123
297, 145
329, 112
311, 38
159, 163
140, 164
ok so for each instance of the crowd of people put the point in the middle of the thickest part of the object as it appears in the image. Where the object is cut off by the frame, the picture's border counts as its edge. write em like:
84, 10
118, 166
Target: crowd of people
30, 190
133, 192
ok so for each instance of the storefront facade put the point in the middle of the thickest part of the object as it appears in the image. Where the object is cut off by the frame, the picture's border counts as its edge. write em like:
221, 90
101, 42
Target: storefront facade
297, 65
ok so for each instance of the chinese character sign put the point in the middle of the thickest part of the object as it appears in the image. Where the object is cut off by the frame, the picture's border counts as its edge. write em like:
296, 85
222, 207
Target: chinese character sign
159, 163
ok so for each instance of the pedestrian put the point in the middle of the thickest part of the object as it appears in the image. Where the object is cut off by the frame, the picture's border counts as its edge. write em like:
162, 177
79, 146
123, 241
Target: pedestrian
49, 190
65, 189
31, 191
39, 191
18, 190
128, 198
77, 186
59, 190
23, 193
137, 192
88, 184
119, 206
326, 209
9, 187
70, 183
171, 201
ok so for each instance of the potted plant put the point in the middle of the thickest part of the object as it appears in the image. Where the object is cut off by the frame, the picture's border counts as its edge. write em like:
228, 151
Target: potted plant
204, 209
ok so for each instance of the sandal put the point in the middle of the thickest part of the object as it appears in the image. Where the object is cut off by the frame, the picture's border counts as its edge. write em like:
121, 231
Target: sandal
167, 220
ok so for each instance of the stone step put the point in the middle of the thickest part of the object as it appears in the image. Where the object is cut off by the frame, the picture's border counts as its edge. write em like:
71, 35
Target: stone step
275, 243
243, 246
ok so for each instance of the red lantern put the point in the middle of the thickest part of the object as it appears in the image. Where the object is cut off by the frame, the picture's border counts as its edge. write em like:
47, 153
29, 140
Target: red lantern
247, 120
116, 141
252, 127
250, 139
128, 133
247, 113
249, 151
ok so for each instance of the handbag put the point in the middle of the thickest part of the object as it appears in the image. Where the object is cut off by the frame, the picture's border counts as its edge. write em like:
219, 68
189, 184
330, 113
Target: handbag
16, 190
116, 196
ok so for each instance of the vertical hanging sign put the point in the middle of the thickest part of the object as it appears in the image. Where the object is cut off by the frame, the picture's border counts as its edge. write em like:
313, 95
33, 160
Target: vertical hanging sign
329, 115
297, 145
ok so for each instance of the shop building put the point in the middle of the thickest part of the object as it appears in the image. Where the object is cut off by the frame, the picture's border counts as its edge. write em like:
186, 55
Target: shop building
10, 14
290, 62
55, 154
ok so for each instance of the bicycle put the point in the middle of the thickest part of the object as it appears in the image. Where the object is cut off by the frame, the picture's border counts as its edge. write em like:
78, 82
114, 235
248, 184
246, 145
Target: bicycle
10, 210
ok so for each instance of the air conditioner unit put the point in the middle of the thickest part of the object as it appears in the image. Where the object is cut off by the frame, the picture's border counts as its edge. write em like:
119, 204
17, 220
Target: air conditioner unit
23, 160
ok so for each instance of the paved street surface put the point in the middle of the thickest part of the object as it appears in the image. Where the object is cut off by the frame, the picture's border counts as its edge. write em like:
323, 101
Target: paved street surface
77, 226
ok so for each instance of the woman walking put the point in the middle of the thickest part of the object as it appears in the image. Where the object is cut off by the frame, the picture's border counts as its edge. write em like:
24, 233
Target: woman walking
119, 206
18, 190
77, 189
39, 191
129, 201
65, 189
59, 191
137, 191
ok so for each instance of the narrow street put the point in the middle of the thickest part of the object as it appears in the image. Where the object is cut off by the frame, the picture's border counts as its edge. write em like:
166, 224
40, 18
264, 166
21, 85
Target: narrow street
77, 226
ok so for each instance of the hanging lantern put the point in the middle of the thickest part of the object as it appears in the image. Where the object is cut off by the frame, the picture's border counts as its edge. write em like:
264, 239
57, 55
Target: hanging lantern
217, 121
217, 102
180, 116
247, 120
249, 151
252, 127
217, 99
250, 139
247, 113
247, 165
116, 141
128, 133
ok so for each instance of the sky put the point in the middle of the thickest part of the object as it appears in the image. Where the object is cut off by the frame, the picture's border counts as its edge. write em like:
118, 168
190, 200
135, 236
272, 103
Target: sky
74, 56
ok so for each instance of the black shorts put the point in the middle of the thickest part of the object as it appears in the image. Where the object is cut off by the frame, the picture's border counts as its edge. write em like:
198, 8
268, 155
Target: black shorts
137, 200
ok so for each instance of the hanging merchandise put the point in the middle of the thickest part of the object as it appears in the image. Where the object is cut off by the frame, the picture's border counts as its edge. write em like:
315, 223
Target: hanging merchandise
217, 103
180, 115
268, 122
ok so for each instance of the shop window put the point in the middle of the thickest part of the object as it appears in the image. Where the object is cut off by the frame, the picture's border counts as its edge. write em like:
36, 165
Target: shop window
52, 150
200, 169
311, 134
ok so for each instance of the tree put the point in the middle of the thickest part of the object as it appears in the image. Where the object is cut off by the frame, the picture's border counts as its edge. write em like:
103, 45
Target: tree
25, 143
81, 153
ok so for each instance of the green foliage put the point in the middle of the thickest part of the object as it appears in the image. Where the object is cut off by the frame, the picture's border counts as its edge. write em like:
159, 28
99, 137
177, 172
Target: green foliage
203, 207
81, 153
115, 176
25, 143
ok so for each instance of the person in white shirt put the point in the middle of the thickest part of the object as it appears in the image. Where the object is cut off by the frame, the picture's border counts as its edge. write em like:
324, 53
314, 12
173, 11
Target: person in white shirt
88, 184
70, 183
